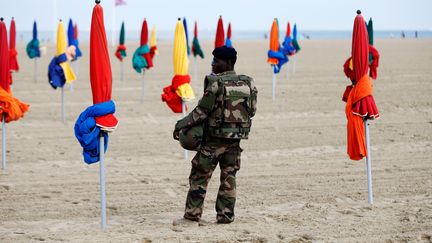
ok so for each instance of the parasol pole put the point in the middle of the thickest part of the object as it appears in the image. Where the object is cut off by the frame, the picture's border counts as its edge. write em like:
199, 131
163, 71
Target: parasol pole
4, 141
294, 63
287, 73
121, 70
113, 25
274, 86
102, 180
35, 70
71, 88
62, 106
184, 115
142, 87
368, 162
55, 20
196, 68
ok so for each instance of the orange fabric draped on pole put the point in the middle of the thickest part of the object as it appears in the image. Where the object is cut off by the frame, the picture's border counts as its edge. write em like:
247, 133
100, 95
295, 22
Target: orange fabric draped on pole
355, 128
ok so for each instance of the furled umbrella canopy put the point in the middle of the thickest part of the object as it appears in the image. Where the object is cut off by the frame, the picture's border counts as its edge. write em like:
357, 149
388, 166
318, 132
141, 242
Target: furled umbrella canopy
153, 43
196, 48
187, 35
72, 41
220, 34
228, 42
59, 70
276, 57
287, 45
4, 57
121, 49
360, 102
98, 117
141, 58
373, 52
14, 67
295, 41
12, 108
180, 89
32, 48
75, 31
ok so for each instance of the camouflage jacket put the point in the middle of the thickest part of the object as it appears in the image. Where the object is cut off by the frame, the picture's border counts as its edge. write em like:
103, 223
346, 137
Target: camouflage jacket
209, 107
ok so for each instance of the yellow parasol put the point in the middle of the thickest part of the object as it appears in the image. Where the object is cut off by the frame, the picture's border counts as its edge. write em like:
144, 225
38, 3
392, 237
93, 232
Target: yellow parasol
153, 44
181, 62
61, 49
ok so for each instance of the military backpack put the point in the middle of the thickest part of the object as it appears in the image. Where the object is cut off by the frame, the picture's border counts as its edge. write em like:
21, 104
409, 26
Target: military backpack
234, 107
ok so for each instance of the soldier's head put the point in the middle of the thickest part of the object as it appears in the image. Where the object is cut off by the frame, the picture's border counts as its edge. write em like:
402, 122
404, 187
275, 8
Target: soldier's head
224, 59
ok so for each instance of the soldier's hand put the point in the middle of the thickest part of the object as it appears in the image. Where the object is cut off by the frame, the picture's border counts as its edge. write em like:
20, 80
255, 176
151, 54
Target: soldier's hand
176, 134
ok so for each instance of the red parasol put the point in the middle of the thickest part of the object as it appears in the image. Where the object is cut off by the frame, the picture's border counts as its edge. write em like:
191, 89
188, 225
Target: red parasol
144, 41
360, 102
196, 30
144, 33
100, 67
229, 31
220, 35
288, 31
4, 57
76, 31
12, 48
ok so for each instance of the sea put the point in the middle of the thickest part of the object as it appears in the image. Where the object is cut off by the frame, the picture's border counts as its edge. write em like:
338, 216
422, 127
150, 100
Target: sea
167, 35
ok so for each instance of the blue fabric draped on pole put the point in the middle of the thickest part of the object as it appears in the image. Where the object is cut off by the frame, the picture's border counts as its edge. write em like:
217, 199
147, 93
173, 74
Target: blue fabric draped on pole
228, 42
138, 61
33, 46
282, 59
88, 133
56, 76
187, 36
288, 47
72, 40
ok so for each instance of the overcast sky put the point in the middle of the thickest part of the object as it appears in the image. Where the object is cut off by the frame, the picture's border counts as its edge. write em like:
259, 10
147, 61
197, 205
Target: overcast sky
244, 14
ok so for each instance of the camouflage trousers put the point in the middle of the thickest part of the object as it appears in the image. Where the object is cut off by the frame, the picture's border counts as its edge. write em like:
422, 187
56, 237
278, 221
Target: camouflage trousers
203, 164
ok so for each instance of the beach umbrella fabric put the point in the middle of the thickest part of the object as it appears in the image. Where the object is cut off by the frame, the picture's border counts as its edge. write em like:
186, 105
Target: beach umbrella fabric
98, 117
228, 42
295, 41
276, 56
196, 48
153, 43
13, 63
287, 44
187, 35
220, 34
121, 49
32, 48
59, 70
180, 89
141, 58
11, 108
373, 52
72, 41
360, 102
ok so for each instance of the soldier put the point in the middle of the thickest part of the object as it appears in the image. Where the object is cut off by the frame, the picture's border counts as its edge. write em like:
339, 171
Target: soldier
223, 116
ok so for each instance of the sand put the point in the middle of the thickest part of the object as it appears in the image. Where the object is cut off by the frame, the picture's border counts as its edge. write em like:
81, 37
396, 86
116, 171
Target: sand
296, 183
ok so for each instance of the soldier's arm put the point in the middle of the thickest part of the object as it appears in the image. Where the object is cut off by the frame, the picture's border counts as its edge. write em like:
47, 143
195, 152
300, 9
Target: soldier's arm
204, 107
254, 96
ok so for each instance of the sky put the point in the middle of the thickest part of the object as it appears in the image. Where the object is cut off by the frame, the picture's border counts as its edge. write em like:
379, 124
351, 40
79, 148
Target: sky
245, 15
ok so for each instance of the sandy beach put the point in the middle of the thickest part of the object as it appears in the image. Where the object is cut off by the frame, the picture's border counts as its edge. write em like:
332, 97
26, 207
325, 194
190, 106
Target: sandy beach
296, 183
